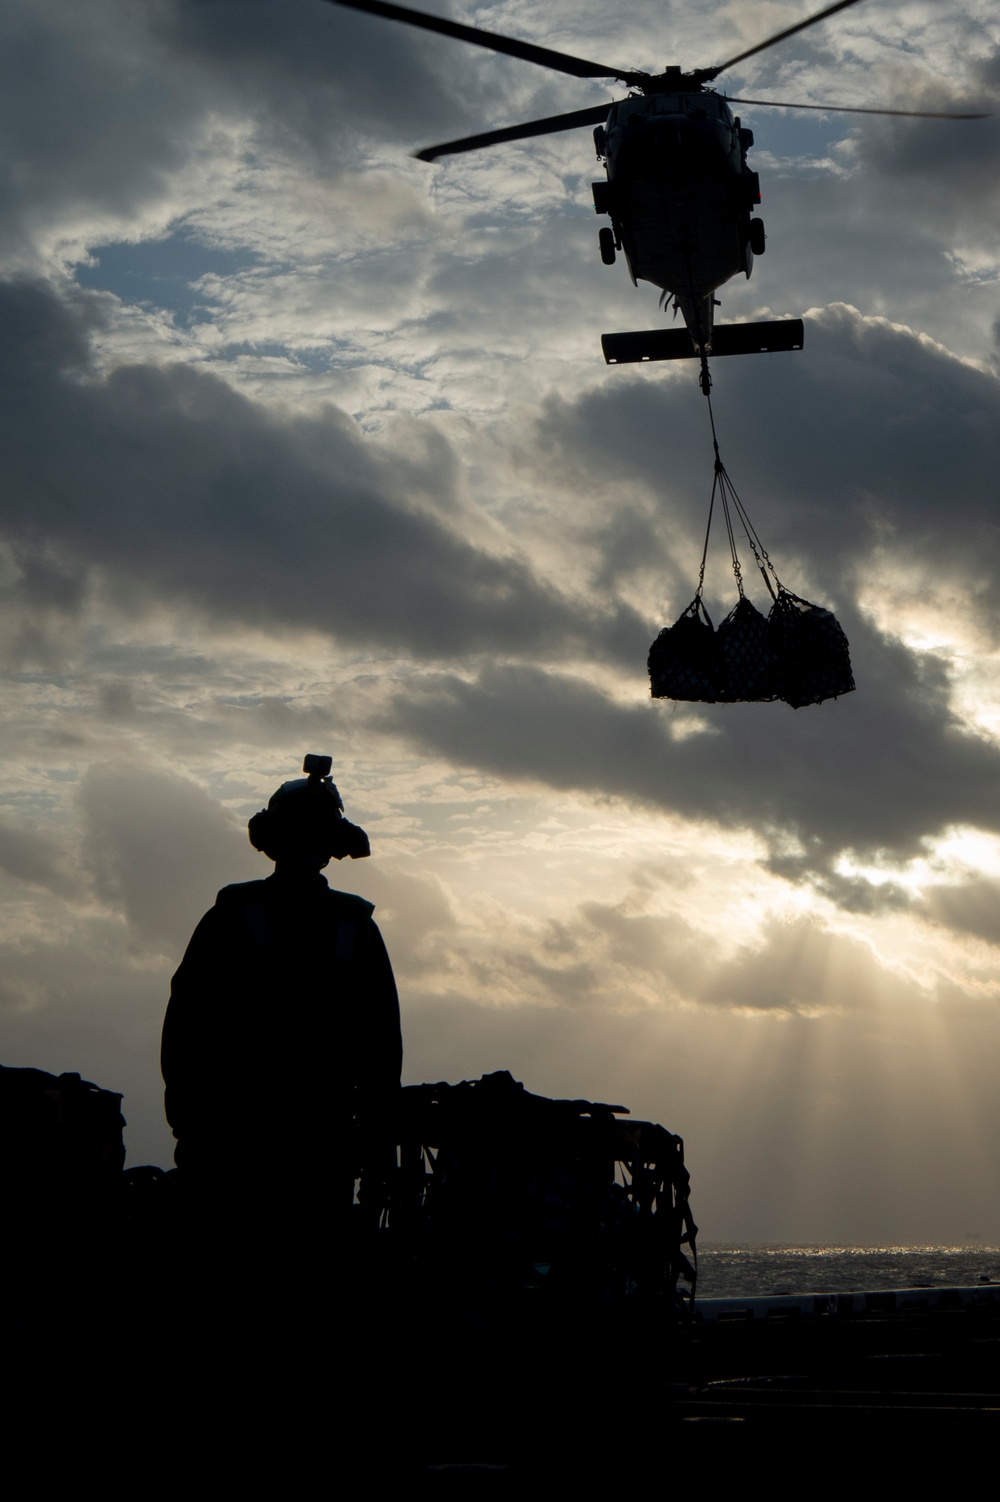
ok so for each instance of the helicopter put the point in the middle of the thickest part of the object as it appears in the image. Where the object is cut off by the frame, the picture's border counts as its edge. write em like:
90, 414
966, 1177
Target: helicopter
678, 191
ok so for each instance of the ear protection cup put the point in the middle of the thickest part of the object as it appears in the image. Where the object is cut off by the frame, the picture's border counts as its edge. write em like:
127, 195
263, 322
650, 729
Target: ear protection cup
258, 829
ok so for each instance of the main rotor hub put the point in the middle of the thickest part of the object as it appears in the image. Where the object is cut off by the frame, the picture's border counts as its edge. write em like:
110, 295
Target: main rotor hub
673, 80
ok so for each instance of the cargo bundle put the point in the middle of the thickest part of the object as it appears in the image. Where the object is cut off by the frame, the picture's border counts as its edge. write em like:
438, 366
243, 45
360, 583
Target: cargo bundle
797, 652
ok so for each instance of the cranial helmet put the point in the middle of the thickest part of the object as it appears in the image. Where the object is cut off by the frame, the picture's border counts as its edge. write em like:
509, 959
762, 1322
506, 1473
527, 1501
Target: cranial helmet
306, 817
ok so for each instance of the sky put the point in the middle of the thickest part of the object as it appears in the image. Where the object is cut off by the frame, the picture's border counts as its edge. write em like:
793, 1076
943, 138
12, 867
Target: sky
309, 446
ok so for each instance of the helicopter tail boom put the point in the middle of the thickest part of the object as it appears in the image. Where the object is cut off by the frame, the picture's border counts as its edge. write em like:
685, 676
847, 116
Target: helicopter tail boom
727, 339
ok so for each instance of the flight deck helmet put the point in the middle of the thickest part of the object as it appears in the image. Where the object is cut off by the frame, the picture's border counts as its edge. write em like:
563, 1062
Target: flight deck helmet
306, 818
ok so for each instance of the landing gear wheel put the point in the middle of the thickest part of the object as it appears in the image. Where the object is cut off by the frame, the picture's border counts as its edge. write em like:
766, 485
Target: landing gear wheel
607, 239
757, 237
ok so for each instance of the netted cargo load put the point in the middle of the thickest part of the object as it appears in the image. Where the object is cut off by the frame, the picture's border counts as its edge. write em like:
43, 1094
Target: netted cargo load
497, 1189
683, 660
797, 653
61, 1141
810, 650
748, 667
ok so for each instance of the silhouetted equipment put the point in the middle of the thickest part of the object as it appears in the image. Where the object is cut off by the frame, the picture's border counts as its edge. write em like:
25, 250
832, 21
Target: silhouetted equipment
305, 811
799, 653
283, 1030
60, 1140
507, 1189
680, 193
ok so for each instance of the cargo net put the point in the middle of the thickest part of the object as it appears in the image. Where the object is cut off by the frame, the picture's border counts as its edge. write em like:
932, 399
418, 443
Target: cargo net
61, 1144
555, 1197
797, 653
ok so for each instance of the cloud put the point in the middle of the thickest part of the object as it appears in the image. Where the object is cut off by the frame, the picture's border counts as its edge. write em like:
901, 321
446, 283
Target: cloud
89, 120
971, 907
106, 106
159, 848
316, 72
952, 166
891, 435
801, 967
877, 771
178, 488
31, 853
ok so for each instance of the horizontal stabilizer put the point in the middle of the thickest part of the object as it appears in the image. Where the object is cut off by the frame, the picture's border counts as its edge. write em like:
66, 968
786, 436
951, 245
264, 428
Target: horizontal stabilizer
727, 339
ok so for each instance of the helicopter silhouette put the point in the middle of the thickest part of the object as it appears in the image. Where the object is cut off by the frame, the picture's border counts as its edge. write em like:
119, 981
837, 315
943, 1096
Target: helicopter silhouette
679, 191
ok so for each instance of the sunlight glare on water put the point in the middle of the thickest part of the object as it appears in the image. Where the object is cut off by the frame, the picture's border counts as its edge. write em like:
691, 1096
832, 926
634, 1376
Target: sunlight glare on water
745, 1271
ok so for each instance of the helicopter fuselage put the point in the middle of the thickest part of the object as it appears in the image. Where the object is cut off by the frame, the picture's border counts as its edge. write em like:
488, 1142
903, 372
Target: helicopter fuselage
680, 196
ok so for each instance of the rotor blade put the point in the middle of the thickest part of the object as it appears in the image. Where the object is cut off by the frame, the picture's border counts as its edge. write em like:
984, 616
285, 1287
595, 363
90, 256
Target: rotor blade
596, 115
562, 62
850, 109
709, 73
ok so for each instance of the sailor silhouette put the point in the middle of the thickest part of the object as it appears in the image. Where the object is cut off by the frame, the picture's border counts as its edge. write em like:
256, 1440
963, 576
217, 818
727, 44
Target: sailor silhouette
281, 1049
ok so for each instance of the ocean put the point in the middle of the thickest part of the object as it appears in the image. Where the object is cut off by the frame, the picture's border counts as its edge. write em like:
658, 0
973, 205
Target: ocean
742, 1271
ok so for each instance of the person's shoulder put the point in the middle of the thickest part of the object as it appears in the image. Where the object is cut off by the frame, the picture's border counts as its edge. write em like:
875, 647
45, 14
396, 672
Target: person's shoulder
240, 894
350, 906
244, 894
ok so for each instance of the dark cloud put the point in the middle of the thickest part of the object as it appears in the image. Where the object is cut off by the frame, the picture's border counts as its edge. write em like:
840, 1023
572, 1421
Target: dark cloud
178, 487
952, 166
89, 119
877, 771
117, 700
628, 543
971, 907
102, 104
319, 73
855, 894
42, 600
